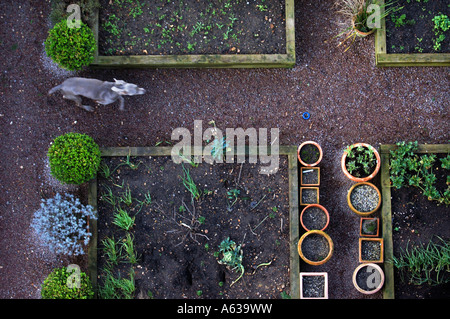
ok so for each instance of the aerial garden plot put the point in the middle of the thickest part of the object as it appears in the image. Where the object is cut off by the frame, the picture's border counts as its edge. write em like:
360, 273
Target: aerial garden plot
355, 205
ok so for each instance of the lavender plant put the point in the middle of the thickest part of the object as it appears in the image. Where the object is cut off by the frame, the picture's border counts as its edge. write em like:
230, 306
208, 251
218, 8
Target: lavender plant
61, 223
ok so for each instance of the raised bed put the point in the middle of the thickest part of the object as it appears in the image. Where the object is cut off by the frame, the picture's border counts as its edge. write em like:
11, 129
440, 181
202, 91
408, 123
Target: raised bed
235, 217
386, 59
233, 60
415, 203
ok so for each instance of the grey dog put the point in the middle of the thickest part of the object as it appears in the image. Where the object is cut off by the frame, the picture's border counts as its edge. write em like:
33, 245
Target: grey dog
102, 92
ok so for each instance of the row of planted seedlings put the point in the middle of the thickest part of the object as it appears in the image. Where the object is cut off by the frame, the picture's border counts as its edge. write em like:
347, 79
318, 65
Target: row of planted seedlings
315, 246
361, 163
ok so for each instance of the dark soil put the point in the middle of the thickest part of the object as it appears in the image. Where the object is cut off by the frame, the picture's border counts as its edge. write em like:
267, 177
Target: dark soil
315, 247
314, 218
156, 27
416, 221
309, 195
394, 104
176, 246
310, 176
417, 34
309, 154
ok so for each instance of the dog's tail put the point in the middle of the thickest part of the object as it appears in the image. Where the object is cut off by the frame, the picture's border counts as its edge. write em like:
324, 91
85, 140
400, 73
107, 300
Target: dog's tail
53, 90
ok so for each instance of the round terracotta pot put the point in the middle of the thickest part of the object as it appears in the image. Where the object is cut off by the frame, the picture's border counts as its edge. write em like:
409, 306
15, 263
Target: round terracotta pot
351, 205
378, 286
330, 244
319, 206
358, 32
318, 148
361, 179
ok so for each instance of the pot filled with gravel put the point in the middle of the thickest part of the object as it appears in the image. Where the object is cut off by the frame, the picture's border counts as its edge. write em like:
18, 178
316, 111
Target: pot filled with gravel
364, 198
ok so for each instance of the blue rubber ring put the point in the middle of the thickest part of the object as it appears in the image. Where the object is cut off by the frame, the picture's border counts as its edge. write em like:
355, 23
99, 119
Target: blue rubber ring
306, 115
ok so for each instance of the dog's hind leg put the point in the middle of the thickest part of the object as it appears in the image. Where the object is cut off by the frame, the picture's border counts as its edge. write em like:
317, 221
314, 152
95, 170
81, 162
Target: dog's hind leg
77, 100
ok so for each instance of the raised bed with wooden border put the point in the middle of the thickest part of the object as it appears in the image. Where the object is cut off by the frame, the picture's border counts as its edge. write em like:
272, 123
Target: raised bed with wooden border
156, 152
286, 60
386, 210
384, 59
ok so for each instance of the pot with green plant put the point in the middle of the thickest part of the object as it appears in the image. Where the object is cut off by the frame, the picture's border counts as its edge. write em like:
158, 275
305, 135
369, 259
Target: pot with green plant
309, 153
362, 17
360, 162
369, 227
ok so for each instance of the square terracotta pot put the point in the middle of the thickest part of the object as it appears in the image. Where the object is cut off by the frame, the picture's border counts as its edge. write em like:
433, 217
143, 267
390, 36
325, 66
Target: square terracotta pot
311, 294
314, 191
306, 172
371, 250
368, 219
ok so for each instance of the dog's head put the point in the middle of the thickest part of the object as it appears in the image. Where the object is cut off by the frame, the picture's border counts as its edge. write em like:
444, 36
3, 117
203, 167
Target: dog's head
123, 88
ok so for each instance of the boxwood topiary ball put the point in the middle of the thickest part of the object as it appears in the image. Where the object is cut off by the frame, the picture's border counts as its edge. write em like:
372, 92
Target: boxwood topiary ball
63, 284
74, 158
70, 48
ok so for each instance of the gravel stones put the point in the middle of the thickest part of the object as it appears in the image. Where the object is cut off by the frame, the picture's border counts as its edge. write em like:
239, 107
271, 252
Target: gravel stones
364, 198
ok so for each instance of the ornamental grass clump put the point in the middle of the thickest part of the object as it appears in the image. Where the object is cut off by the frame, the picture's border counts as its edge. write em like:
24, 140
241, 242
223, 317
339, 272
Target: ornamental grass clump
65, 284
61, 223
74, 158
71, 48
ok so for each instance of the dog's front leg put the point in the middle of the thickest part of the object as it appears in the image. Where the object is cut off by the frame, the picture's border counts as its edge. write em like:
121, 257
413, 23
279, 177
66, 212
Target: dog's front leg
122, 103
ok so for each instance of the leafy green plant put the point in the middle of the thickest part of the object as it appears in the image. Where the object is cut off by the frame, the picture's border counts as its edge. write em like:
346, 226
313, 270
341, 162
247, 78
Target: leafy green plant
128, 246
74, 158
122, 219
410, 169
111, 252
117, 287
70, 48
361, 161
232, 256
233, 195
58, 285
189, 184
441, 25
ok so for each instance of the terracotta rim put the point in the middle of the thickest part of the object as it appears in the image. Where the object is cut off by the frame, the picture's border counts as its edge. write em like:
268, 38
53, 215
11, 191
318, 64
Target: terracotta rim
308, 168
322, 208
316, 145
358, 32
361, 179
353, 208
361, 227
381, 241
330, 244
368, 292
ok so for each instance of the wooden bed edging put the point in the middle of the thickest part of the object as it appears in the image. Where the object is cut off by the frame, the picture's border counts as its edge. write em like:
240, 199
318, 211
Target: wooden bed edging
294, 221
386, 213
208, 60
